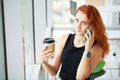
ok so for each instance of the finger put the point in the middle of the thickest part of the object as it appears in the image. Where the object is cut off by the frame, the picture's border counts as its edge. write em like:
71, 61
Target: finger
93, 34
47, 55
89, 33
48, 51
45, 58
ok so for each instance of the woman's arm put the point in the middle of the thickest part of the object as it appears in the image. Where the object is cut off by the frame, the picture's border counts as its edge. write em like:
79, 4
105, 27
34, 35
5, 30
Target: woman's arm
83, 68
87, 64
52, 69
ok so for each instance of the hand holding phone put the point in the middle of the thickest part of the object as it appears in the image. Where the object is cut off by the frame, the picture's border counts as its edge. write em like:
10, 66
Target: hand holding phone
85, 38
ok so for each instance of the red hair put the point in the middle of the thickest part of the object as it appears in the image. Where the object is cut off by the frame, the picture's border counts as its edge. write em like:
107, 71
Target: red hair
95, 20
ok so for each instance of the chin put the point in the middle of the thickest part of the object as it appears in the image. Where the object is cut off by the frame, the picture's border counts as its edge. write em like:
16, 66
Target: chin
79, 34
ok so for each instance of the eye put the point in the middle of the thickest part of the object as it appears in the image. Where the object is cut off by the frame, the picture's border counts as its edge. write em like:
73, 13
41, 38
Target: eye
84, 23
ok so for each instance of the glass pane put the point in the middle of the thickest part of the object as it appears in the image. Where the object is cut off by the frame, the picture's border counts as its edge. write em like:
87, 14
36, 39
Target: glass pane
61, 9
63, 16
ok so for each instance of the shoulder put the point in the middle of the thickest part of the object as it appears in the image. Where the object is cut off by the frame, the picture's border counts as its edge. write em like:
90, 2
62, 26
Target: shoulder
59, 46
97, 50
62, 40
65, 36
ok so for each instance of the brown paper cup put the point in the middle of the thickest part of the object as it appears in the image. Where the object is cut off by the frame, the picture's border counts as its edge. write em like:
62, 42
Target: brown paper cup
49, 44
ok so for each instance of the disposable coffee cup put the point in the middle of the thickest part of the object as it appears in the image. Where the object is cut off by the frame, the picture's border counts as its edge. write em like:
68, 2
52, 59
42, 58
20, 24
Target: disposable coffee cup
49, 43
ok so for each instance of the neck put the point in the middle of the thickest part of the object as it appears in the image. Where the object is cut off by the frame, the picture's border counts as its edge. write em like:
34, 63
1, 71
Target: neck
78, 40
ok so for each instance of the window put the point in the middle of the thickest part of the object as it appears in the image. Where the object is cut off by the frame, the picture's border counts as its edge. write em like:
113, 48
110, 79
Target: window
63, 16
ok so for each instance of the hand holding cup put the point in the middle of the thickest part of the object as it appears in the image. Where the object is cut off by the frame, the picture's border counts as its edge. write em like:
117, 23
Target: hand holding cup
48, 49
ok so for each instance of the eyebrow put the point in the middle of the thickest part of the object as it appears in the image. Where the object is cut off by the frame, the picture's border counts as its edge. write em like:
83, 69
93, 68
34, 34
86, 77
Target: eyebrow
77, 19
81, 21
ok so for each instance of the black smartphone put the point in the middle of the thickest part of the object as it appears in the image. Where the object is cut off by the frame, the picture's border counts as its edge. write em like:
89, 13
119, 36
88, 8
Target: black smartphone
85, 38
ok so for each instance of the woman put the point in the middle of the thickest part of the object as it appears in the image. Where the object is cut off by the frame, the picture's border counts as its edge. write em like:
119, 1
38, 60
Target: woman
78, 57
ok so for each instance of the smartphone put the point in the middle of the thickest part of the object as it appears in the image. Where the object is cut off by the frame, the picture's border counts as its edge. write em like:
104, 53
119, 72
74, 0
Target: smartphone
85, 38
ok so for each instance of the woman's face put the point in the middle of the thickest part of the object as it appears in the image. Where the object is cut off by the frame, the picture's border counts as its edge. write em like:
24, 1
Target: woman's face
81, 23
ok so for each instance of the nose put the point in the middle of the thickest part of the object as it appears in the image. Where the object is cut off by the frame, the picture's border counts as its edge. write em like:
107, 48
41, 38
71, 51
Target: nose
78, 25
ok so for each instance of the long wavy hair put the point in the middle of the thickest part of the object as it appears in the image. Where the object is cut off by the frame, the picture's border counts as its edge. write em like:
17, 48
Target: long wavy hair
95, 20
